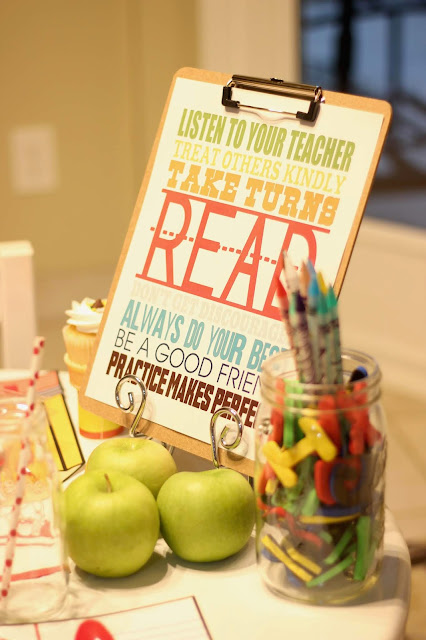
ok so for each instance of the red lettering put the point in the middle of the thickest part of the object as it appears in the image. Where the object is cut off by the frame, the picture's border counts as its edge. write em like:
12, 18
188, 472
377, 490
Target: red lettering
170, 243
251, 269
247, 258
200, 242
305, 231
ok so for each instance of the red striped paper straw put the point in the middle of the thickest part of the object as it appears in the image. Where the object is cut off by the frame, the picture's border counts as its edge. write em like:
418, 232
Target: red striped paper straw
24, 458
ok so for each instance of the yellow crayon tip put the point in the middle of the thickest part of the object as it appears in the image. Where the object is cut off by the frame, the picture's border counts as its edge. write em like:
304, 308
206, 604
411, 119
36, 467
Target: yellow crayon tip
321, 283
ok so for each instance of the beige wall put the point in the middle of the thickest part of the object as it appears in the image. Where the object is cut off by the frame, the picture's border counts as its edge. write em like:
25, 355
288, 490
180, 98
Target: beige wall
98, 72
250, 37
162, 38
64, 64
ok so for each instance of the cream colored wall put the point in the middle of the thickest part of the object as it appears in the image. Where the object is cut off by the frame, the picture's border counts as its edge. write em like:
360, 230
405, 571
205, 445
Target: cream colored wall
98, 72
383, 303
64, 64
249, 37
162, 38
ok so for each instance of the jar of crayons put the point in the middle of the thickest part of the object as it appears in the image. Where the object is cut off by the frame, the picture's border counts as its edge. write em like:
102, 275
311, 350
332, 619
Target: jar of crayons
319, 480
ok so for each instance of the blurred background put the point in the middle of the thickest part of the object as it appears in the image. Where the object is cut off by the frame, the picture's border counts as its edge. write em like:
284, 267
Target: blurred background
83, 88
84, 83
377, 48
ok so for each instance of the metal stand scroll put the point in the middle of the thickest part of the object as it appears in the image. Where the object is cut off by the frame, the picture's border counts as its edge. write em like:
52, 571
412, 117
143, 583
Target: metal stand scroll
225, 430
133, 432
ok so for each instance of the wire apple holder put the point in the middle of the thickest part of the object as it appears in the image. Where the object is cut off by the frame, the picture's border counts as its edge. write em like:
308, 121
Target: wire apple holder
135, 433
226, 445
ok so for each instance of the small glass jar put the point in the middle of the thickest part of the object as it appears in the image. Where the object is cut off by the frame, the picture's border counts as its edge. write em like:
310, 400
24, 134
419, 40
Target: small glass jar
33, 568
319, 481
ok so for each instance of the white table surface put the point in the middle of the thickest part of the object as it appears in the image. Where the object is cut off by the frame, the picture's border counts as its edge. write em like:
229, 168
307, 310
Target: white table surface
233, 600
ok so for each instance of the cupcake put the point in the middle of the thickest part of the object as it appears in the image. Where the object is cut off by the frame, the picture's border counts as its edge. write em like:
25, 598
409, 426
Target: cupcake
79, 336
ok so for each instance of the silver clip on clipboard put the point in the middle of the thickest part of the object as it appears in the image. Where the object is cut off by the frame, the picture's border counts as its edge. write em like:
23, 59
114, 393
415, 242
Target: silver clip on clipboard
279, 87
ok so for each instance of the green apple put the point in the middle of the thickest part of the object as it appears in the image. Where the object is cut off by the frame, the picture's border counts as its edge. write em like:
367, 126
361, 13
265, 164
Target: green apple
112, 523
206, 515
146, 460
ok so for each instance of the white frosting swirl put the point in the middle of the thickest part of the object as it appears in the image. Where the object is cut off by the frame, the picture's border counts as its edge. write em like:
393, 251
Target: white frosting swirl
84, 317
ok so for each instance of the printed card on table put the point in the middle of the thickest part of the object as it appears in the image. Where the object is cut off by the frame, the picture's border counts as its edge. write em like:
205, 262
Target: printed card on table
176, 620
192, 310
62, 437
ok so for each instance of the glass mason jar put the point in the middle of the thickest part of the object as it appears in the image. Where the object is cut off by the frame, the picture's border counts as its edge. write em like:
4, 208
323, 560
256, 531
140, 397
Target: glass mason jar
319, 480
33, 572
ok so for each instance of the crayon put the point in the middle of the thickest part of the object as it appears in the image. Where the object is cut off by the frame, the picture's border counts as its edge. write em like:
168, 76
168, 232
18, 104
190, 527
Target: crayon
304, 534
272, 546
320, 472
266, 474
302, 343
328, 419
331, 573
358, 374
283, 305
311, 504
321, 283
313, 325
340, 546
311, 268
340, 512
304, 279
276, 433
336, 355
324, 339
363, 531
320, 520
291, 276
295, 555
292, 432
289, 424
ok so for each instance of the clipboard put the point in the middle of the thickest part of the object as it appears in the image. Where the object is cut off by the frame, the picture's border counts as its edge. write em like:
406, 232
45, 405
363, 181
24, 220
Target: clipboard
275, 166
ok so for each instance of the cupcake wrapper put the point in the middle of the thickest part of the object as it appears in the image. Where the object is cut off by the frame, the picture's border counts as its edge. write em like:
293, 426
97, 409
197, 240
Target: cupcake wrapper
80, 347
76, 371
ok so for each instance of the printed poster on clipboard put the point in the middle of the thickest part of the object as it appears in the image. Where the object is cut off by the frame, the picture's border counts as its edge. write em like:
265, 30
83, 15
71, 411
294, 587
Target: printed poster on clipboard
192, 308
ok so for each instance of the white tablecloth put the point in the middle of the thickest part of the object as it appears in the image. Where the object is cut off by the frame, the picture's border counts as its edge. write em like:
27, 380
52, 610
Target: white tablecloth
233, 600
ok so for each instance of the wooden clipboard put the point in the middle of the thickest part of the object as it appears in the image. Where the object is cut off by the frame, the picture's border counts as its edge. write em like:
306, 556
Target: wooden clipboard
236, 99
